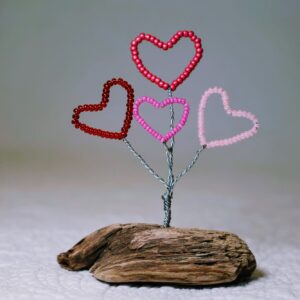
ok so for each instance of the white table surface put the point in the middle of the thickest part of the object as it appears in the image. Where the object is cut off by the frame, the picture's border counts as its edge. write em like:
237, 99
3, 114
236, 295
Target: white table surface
45, 209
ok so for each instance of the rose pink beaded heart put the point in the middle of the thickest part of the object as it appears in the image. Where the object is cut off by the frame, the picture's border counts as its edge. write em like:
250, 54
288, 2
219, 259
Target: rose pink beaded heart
234, 113
153, 102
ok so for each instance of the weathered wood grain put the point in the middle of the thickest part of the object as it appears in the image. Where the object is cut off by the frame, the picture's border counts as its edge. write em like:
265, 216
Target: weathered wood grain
132, 253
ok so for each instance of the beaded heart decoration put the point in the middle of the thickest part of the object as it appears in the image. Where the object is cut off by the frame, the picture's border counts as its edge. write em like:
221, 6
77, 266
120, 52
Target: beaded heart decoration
234, 113
167, 140
156, 104
99, 107
166, 46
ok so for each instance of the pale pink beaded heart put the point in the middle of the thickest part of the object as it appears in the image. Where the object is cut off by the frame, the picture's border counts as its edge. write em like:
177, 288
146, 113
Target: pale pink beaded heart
156, 104
234, 113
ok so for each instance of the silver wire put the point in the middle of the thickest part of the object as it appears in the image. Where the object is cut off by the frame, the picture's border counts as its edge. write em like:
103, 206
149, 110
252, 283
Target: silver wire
144, 163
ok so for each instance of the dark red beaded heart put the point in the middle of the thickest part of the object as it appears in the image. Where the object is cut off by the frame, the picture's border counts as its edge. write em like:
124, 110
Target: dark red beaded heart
166, 46
98, 107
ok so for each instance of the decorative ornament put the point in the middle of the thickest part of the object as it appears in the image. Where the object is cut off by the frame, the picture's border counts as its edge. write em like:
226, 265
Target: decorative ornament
99, 107
166, 46
152, 253
156, 104
234, 113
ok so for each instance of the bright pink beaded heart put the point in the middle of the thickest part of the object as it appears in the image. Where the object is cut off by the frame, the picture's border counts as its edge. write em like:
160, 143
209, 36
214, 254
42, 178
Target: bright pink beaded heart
166, 46
234, 113
153, 102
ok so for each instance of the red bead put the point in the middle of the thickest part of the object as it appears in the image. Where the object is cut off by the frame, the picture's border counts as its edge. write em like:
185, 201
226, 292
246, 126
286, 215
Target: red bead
170, 44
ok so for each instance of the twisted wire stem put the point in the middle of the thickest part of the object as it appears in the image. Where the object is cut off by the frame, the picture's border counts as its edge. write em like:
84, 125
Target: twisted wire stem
144, 163
168, 195
171, 179
189, 166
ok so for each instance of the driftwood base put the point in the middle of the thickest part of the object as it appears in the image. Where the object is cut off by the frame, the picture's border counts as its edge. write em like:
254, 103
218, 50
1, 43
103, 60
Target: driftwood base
144, 253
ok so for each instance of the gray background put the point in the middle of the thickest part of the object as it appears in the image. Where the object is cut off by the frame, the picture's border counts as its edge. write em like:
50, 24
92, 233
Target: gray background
55, 55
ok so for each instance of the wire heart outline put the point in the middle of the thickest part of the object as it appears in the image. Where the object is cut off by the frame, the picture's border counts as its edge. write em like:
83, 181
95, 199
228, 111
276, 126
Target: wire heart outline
166, 46
234, 113
100, 106
156, 104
